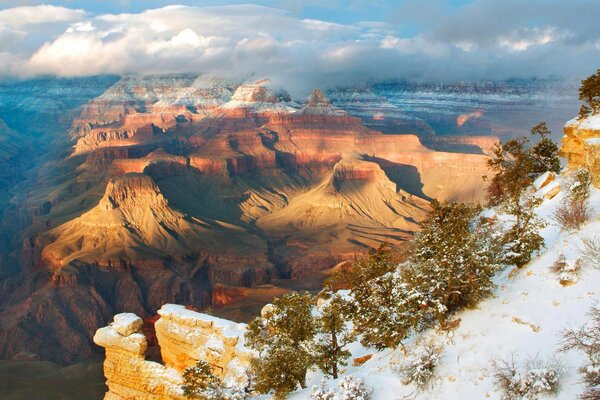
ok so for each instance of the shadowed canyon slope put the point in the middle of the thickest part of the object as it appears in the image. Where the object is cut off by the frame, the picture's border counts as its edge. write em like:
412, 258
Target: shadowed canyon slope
181, 189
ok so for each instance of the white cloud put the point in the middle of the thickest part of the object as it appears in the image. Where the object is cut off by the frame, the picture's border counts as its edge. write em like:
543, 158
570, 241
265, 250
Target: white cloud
522, 39
242, 40
31, 15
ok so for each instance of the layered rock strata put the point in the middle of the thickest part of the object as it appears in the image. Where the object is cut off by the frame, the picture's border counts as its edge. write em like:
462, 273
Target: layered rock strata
184, 337
581, 145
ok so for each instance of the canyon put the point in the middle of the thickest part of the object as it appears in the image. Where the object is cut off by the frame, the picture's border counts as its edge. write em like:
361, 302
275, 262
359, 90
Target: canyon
203, 192
185, 336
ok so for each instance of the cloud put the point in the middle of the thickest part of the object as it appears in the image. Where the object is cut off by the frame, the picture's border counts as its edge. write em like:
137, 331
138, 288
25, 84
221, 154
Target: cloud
31, 15
484, 39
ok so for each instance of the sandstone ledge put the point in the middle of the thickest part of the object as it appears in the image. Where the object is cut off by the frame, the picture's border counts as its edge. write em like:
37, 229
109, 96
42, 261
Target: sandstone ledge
184, 337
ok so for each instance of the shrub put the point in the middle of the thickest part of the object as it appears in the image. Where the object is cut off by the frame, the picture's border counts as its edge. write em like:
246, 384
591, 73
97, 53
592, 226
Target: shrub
349, 388
534, 378
420, 367
568, 272
590, 254
575, 209
199, 383
587, 341
572, 214
523, 238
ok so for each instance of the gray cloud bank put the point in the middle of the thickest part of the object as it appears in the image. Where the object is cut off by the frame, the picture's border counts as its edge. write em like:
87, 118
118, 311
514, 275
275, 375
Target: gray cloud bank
483, 40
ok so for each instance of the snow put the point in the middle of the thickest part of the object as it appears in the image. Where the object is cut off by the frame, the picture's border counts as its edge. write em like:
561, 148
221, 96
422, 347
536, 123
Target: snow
191, 318
261, 106
593, 141
523, 319
126, 323
592, 122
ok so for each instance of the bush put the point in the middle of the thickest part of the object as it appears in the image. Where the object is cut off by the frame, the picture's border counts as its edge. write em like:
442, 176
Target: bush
587, 341
349, 388
420, 367
575, 209
572, 214
321, 392
590, 255
199, 383
568, 272
534, 378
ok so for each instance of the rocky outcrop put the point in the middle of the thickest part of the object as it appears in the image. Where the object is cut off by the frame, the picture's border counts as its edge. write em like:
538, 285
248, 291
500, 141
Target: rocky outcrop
128, 374
184, 337
581, 146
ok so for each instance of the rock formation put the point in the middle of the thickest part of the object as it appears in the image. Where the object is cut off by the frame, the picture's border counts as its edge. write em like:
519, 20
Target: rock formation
184, 337
581, 145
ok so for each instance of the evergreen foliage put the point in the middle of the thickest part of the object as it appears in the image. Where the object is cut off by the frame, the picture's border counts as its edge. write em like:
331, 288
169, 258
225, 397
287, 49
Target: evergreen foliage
199, 383
381, 311
523, 238
334, 335
452, 264
284, 342
515, 165
454, 260
589, 91
584, 111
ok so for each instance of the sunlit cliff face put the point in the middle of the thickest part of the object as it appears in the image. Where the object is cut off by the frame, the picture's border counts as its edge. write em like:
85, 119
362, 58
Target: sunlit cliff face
463, 118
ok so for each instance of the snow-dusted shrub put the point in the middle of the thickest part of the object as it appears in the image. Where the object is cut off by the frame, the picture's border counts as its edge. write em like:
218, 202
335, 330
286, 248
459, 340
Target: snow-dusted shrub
571, 214
349, 388
575, 210
587, 340
420, 367
534, 378
199, 383
590, 253
321, 392
567, 271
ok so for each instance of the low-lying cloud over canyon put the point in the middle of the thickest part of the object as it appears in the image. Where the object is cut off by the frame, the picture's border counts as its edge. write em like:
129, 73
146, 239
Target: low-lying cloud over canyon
478, 40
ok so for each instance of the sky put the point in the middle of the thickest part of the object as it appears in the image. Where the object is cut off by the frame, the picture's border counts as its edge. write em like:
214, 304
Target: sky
311, 42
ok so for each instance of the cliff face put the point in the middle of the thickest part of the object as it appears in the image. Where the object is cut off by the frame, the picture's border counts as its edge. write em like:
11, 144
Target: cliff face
184, 337
581, 145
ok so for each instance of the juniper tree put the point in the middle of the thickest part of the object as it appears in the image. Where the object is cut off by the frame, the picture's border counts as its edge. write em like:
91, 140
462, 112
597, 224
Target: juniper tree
283, 339
544, 153
382, 310
589, 91
200, 383
515, 165
334, 336
453, 262
523, 238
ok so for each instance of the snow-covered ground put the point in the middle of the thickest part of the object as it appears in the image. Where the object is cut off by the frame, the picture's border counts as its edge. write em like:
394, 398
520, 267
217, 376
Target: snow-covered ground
523, 320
